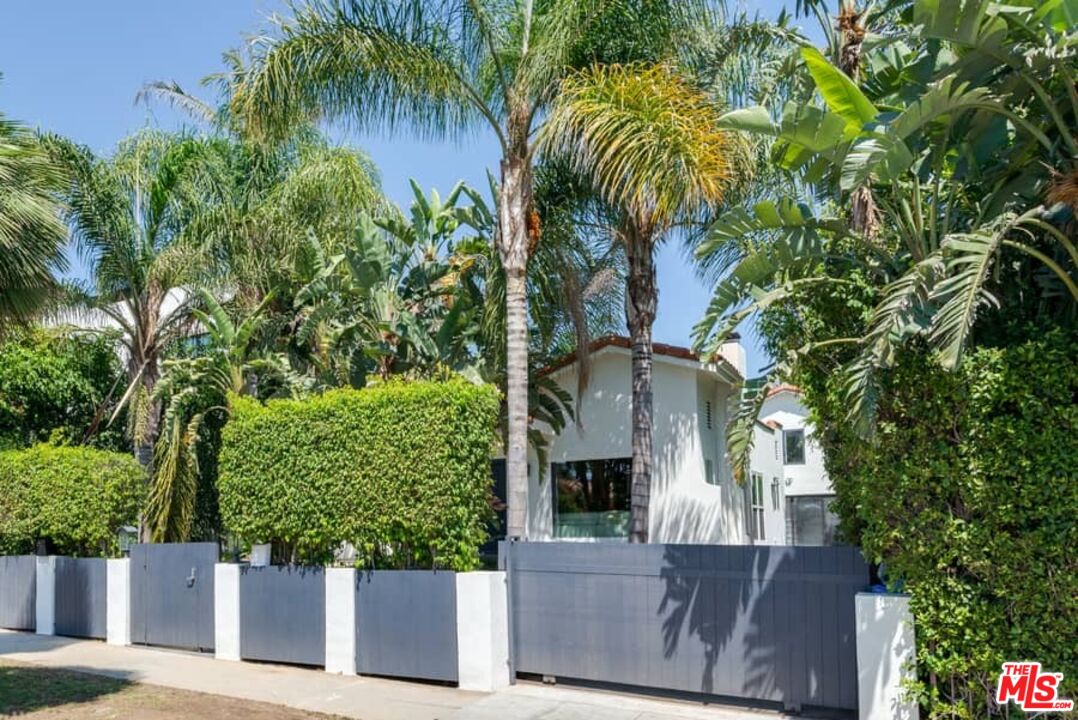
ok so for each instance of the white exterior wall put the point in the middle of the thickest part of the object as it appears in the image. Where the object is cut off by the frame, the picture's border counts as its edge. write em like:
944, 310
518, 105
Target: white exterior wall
886, 657
786, 409
766, 459
684, 507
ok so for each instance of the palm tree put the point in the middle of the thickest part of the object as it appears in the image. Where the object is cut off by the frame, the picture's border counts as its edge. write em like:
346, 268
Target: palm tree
32, 236
650, 144
129, 216
445, 69
276, 196
227, 363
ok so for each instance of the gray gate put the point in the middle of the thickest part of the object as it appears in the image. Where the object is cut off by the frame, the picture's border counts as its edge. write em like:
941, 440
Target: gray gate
80, 597
755, 623
283, 614
406, 624
18, 586
172, 594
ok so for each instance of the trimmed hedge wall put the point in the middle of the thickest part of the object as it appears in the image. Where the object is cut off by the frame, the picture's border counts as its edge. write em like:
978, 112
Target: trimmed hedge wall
969, 495
401, 471
77, 497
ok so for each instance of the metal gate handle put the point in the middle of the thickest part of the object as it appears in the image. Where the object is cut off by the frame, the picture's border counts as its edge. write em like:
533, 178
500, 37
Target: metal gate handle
191, 578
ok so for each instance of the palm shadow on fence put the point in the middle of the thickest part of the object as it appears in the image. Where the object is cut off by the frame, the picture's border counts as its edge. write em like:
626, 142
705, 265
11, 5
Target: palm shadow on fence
749, 622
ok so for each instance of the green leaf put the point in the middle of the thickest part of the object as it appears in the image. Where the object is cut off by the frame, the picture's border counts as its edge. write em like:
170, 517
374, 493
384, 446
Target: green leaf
969, 259
752, 120
840, 93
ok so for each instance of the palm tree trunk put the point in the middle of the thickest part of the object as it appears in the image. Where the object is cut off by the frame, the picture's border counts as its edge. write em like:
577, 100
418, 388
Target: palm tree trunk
640, 304
513, 207
151, 426
864, 215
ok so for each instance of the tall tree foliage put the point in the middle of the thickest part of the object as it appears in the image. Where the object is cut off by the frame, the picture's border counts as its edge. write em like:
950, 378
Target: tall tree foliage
130, 216
915, 334
55, 388
445, 69
32, 235
969, 174
195, 393
649, 143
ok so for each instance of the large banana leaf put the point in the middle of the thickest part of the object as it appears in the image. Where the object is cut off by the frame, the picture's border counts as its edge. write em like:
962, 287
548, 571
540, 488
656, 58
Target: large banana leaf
741, 428
839, 92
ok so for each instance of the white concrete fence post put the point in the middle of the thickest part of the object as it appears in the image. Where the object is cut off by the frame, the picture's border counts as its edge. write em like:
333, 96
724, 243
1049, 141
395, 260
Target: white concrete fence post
482, 631
226, 611
341, 621
118, 601
45, 596
885, 656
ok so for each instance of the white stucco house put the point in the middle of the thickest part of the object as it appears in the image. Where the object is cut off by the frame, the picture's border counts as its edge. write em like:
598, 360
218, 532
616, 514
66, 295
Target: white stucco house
807, 489
582, 489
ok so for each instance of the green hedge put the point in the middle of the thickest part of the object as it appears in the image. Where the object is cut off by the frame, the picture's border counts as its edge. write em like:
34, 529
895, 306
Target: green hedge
969, 496
401, 471
77, 497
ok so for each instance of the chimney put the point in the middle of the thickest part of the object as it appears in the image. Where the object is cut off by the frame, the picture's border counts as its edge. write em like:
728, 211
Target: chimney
734, 353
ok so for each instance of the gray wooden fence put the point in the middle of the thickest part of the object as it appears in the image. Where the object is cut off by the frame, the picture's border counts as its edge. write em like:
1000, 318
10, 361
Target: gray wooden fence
81, 609
18, 585
406, 624
172, 594
283, 614
771, 624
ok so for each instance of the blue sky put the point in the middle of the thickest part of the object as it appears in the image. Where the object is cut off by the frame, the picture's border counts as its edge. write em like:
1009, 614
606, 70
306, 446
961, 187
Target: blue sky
74, 67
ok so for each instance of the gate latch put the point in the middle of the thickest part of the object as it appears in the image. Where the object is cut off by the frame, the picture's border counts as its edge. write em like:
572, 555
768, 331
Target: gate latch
191, 578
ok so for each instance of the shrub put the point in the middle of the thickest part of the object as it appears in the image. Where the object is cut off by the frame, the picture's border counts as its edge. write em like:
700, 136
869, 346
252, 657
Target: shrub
77, 497
52, 386
401, 471
969, 497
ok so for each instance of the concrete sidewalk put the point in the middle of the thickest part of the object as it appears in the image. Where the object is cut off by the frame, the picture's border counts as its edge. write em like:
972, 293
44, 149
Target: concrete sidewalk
353, 697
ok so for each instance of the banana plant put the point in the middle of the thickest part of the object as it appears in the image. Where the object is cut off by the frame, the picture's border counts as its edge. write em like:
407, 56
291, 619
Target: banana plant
389, 304
963, 133
224, 362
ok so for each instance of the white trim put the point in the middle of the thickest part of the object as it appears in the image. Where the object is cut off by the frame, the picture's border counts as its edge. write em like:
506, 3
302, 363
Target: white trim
118, 601
341, 621
226, 611
45, 595
482, 631
885, 657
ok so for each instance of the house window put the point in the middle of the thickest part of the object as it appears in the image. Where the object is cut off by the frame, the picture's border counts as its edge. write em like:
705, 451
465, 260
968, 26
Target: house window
757, 505
776, 493
811, 521
592, 497
794, 442
707, 413
709, 471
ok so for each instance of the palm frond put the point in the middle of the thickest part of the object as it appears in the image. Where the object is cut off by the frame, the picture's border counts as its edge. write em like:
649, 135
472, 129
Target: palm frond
397, 56
648, 138
31, 233
741, 428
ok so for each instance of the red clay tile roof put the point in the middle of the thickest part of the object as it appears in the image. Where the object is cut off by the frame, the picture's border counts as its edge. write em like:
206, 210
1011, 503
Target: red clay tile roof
674, 351
785, 387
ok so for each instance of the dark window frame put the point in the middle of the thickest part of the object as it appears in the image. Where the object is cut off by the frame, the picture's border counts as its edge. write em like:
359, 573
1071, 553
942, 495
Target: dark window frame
626, 462
757, 509
786, 448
